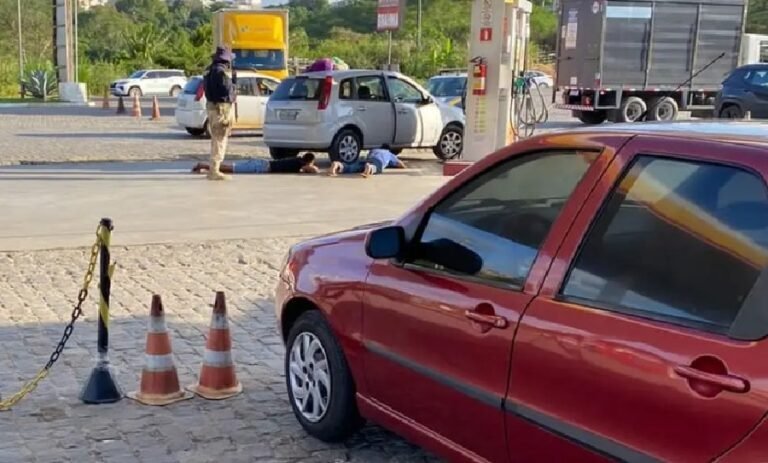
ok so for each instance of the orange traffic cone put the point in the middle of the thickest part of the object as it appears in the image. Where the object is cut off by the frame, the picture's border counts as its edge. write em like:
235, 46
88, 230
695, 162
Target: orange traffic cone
217, 375
155, 109
136, 106
105, 101
120, 106
159, 379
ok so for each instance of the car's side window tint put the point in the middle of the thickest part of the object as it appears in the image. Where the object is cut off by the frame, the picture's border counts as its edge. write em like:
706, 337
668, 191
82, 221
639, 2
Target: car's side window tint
759, 78
403, 92
245, 86
502, 216
678, 241
265, 87
346, 89
370, 88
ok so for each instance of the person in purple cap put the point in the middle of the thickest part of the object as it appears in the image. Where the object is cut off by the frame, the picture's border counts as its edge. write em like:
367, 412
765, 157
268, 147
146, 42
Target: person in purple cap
220, 84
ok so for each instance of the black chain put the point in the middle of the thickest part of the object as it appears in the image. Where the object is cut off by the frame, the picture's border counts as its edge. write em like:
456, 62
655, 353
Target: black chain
77, 311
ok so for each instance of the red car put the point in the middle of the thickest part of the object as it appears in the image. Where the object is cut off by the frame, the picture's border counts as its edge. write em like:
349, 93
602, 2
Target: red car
590, 296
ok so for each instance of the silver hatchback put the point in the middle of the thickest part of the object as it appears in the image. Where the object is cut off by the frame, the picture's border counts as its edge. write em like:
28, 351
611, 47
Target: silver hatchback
344, 112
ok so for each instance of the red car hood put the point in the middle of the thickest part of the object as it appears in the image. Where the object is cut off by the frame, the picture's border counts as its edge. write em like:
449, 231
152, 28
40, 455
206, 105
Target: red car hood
358, 232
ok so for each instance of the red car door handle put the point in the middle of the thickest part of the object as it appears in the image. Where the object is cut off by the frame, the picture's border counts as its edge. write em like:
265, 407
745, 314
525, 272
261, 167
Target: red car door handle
492, 320
727, 382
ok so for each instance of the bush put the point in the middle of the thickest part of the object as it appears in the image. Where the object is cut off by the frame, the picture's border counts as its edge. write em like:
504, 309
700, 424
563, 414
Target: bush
97, 76
40, 83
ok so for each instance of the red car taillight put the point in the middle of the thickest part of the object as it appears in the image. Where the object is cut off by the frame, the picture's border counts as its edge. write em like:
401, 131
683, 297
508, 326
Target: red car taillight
200, 91
325, 93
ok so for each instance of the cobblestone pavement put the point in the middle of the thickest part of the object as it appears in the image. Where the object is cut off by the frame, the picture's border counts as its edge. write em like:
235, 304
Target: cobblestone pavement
51, 425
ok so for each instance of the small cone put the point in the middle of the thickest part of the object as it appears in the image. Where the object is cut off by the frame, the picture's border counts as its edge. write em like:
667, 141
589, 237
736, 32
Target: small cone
136, 106
159, 379
120, 106
105, 101
217, 375
155, 109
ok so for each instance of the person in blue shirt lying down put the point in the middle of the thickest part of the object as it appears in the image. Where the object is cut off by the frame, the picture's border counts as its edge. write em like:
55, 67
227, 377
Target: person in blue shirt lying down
377, 160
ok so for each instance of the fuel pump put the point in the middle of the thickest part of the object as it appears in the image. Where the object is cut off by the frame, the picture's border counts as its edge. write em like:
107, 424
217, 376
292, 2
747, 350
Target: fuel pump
498, 42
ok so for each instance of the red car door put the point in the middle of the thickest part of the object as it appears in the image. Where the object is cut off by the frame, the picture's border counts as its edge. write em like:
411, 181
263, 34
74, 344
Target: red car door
643, 342
438, 327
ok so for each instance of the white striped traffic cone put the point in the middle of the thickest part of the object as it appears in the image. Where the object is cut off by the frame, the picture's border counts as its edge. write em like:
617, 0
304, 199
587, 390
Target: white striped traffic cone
159, 379
217, 375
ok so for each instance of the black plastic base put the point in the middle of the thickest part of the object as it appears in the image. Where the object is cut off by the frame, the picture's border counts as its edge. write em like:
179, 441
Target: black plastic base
101, 387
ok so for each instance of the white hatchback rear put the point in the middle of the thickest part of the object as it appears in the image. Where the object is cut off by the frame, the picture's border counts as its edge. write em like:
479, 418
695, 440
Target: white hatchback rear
344, 112
253, 91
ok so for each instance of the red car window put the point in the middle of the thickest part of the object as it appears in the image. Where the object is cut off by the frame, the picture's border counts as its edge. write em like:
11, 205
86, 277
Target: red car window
504, 214
678, 241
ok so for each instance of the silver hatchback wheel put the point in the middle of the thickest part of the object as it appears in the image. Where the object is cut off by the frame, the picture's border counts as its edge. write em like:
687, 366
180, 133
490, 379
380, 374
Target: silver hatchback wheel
349, 149
450, 144
309, 377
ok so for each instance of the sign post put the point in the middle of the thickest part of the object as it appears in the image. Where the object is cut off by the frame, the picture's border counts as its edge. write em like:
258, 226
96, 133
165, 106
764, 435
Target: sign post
389, 17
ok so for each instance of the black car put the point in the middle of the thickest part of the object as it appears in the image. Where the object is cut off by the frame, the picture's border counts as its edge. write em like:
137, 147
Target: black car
745, 90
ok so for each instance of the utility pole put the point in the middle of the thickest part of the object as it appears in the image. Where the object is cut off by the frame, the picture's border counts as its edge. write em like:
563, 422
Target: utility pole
389, 59
21, 50
418, 27
77, 57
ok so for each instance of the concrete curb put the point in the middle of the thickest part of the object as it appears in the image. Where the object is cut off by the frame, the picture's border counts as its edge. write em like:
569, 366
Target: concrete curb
47, 105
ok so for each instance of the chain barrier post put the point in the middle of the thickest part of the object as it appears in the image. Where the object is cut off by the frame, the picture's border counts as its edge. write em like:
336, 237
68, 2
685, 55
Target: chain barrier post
101, 387
77, 311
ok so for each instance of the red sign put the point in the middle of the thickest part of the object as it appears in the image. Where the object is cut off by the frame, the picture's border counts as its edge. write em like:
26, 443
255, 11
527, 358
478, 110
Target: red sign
485, 34
388, 15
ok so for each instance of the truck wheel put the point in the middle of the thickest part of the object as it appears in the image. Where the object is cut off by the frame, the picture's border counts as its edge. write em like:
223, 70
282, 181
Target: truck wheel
663, 109
591, 117
630, 110
731, 112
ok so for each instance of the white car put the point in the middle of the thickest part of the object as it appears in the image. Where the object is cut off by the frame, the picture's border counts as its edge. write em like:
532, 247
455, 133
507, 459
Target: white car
344, 112
253, 91
449, 88
150, 82
539, 78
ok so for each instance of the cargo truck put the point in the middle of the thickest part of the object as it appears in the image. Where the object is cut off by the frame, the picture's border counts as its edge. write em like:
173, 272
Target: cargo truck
258, 38
754, 49
624, 60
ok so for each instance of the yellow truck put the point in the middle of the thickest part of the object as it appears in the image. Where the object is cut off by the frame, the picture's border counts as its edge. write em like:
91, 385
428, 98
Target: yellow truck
258, 38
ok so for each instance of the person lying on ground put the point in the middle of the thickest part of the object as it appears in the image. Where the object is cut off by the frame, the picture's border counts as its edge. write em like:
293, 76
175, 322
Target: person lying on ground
296, 165
377, 160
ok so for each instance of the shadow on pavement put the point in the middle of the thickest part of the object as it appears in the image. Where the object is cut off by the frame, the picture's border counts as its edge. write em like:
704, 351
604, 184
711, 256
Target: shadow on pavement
257, 425
127, 135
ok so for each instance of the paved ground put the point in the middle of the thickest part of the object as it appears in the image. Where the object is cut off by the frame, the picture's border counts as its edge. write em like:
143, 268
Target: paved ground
225, 236
53, 426
61, 134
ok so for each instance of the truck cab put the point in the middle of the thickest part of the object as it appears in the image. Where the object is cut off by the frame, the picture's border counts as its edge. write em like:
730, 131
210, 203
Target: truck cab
258, 39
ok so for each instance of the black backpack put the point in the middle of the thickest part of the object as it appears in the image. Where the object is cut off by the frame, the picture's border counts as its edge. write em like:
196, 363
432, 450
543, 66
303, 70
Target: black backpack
217, 85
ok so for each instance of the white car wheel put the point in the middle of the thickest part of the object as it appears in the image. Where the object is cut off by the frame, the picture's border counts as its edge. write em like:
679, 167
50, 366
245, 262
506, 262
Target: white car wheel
310, 377
451, 143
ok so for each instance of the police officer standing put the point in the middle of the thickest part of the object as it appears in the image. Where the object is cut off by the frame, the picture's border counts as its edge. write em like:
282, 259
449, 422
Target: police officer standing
220, 83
